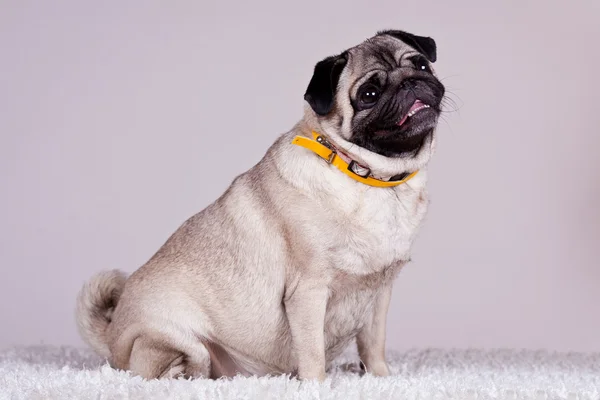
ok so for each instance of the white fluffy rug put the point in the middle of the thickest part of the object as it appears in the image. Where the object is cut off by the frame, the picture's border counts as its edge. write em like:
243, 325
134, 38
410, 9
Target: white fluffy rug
71, 373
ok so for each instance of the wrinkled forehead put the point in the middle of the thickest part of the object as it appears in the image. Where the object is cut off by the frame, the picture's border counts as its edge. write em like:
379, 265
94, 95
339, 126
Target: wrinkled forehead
379, 52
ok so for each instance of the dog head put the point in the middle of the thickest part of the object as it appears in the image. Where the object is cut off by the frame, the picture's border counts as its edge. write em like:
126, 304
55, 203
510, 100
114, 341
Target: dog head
379, 101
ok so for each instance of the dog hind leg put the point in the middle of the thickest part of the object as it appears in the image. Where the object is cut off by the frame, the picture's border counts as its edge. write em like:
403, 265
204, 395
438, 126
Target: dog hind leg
152, 359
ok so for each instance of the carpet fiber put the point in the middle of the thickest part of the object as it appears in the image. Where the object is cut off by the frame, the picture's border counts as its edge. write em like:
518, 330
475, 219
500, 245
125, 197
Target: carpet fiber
69, 373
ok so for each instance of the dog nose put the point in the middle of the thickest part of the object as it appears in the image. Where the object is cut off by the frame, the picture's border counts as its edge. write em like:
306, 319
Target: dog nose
408, 83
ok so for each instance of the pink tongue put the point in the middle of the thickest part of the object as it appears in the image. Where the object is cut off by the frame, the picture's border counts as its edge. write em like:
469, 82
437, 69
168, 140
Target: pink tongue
417, 104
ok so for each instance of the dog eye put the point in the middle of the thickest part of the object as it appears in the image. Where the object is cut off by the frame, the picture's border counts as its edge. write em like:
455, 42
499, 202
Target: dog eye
368, 95
421, 64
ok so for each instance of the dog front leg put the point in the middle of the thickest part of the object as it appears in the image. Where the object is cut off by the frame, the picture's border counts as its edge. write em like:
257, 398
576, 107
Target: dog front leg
305, 311
371, 339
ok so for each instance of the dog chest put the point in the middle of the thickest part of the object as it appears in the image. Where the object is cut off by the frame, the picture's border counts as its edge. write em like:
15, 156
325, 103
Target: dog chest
376, 230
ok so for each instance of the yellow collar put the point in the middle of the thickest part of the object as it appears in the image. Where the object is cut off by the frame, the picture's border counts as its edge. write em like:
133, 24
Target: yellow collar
359, 173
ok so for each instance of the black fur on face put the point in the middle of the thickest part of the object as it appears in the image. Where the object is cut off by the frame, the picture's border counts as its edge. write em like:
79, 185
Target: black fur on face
384, 126
391, 80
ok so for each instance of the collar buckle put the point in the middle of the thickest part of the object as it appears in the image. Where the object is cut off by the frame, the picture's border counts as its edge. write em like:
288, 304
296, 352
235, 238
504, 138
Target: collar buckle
325, 143
331, 157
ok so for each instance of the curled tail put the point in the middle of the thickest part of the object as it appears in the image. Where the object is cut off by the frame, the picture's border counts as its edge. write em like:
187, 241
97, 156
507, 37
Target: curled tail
95, 305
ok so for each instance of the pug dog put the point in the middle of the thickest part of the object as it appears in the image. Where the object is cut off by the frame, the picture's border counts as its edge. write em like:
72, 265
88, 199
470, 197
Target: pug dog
297, 259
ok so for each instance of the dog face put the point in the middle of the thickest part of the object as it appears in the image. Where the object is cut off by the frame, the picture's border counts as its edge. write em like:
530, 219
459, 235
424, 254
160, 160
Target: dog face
381, 95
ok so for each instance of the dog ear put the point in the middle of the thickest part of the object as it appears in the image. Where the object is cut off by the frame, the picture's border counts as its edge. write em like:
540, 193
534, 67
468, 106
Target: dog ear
323, 85
424, 45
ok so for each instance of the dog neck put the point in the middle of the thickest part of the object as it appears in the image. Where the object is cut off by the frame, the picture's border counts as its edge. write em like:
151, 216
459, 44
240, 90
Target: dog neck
359, 172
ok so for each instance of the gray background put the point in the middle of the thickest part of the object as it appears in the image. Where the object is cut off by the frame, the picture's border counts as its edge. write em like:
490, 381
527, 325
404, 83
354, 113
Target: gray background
118, 121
